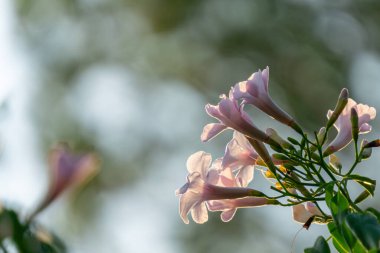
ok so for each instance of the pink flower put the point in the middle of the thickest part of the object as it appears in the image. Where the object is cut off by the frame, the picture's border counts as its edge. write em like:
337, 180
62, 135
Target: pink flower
343, 125
230, 206
303, 212
254, 91
202, 185
67, 170
231, 115
239, 152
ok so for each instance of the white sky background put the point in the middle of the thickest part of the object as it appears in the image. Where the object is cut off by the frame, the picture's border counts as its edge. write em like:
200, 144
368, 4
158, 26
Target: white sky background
139, 223
19, 163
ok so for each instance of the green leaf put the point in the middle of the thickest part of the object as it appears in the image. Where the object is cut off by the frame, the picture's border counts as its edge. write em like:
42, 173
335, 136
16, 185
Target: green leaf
367, 183
338, 240
366, 228
320, 246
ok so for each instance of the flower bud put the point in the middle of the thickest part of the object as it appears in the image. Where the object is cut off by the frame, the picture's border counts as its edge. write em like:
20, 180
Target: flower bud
321, 135
276, 137
342, 101
354, 124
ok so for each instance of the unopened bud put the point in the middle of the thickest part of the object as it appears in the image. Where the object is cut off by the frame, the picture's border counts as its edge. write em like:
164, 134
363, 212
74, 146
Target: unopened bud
321, 135
354, 124
275, 136
342, 101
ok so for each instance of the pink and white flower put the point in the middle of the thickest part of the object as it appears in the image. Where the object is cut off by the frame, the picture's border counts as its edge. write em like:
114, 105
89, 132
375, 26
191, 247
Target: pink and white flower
230, 206
203, 185
255, 91
344, 127
231, 115
239, 152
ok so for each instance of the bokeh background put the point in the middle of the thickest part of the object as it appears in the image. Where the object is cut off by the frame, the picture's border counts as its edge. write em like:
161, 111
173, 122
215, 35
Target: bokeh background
129, 80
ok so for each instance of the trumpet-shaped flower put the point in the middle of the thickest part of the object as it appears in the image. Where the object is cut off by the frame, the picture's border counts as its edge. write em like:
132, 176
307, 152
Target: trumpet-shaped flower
303, 212
344, 127
239, 152
230, 206
254, 91
203, 185
67, 170
231, 115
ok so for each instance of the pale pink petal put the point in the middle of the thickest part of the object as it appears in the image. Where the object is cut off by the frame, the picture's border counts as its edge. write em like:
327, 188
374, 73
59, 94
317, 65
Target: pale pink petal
199, 162
240, 90
265, 76
365, 128
239, 152
212, 130
312, 209
219, 205
89, 167
199, 213
300, 214
213, 111
245, 175
227, 216
186, 203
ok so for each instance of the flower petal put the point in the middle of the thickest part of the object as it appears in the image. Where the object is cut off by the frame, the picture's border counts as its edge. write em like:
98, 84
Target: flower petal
187, 201
212, 130
199, 162
227, 216
199, 213
365, 128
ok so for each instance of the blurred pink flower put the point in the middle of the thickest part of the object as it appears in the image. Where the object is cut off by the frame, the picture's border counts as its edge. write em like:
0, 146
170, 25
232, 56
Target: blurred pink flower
254, 91
303, 212
343, 125
202, 185
67, 170
231, 115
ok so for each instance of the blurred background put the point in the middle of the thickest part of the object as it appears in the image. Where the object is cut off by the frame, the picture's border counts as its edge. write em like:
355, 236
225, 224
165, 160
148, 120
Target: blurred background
129, 80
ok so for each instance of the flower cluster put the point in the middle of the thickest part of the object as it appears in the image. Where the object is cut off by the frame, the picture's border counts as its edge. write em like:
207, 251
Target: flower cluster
301, 173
